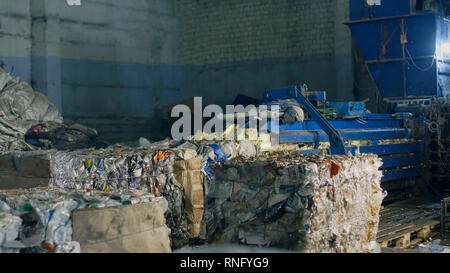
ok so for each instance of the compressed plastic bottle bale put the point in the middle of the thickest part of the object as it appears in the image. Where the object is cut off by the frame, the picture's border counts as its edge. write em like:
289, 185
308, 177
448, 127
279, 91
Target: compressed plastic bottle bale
314, 204
47, 216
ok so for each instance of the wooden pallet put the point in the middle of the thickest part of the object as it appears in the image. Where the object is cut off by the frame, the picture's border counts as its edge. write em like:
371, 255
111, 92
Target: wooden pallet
398, 225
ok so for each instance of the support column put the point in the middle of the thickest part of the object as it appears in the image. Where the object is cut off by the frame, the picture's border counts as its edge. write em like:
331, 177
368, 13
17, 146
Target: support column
343, 52
45, 52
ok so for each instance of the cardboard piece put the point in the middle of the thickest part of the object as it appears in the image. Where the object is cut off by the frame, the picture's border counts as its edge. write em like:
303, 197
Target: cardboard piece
127, 229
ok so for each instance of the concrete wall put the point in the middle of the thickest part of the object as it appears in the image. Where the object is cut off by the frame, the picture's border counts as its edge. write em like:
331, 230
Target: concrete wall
107, 63
119, 64
15, 37
238, 46
116, 65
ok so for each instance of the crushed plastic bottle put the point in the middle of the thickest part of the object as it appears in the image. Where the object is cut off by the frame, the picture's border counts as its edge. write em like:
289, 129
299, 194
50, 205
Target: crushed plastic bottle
307, 203
39, 220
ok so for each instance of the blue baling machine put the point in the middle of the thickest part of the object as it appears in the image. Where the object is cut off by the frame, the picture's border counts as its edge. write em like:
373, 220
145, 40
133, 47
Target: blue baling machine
382, 134
406, 48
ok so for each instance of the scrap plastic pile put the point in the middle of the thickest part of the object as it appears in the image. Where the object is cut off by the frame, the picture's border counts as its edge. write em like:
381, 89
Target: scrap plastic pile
303, 203
273, 199
149, 168
39, 220
28, 121
119, 169
122, 170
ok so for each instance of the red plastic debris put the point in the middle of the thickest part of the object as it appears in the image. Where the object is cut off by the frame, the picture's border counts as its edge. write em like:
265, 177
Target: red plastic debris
48, 246
334, 169
268, 168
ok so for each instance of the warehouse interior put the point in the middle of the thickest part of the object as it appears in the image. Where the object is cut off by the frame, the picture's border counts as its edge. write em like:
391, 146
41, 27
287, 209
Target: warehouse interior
346, 149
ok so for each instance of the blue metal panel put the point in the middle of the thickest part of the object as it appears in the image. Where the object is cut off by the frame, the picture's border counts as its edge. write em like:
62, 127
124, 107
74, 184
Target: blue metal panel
310, 152
380, 149
389, 79
421, 71
422, 34
377, 116
412, 70
422, 83
282, 93
360, 10
349, 108
373, 127
320, 136
399, 161
388, 149
340, 124
337, 145
371, 35
401, 174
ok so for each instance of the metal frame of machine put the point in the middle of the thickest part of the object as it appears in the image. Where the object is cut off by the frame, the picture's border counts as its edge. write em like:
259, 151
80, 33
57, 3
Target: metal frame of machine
401, 47
407, 51
406, 48
400, 161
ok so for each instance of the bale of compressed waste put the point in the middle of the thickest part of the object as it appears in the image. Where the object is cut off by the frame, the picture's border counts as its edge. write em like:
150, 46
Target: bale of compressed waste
24, 172
303, 203
116, 170
46, 220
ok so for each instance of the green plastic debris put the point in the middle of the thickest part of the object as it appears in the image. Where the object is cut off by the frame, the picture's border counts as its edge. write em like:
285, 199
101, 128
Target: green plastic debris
94, 206
87, 163
27, 207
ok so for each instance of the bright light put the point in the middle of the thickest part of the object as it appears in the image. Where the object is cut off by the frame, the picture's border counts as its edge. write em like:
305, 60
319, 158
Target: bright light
445, 48
442, 50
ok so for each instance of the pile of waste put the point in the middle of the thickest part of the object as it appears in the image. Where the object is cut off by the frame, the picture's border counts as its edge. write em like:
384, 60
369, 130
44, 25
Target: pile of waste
246, 195
118, 170
28, 121
167, 168
274, 199
159, 170
301, 203
250, 192
39, 219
